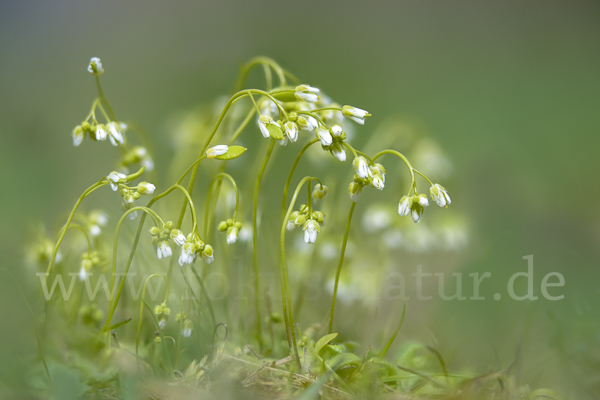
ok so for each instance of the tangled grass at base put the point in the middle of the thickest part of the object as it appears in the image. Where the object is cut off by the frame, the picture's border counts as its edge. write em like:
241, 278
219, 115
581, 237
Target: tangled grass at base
127, 345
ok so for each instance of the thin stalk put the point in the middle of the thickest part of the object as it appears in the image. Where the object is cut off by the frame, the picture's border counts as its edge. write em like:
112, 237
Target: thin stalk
339, 268
291, 174
139, 327
389, 343
255, 243
286, 297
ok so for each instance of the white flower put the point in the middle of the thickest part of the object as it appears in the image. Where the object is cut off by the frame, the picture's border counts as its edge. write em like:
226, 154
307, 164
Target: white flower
78, 136
361, 167
95, 230
163, 250
217, 150
416, 213
404, 205
377, 182
207, 254
324, 136
188, 255
232, 235
100, 132
291, 131
95, 67
145, 188
311, 229
83, 274
355, 114
307, 93
114, 178
290, 225
336, 130
440, 195
423, 200
132, 215
307, 123
187, 328
354, 190
115, 135
162, 324
263, 122
338, 152
177, 237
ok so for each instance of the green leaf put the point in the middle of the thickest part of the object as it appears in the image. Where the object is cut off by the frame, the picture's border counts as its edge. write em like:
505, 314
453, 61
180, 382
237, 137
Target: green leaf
275, 131
323, 341
232, 152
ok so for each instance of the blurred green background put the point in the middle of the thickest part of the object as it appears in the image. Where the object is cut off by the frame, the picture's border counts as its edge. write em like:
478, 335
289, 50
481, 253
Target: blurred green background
509, 89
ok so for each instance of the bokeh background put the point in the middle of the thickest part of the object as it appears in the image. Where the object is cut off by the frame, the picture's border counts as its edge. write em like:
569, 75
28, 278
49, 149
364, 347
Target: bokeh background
509, 89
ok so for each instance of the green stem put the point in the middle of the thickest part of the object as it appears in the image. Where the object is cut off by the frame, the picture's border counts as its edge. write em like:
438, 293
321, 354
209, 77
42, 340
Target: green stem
286, 297
111, 113
291, 175
255, 243
389, 343
339, 268
115, 299
69, 219
207, 213
139, 327
205, 294
260, 61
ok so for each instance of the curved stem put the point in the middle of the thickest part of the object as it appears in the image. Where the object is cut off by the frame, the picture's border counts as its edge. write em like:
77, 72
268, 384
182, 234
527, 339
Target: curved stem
426, 178
286, 299
339, 268
111, 113
291, 174
255, 242
115, 299
207, 214
87, 238
68, 223
401, 156
260, 61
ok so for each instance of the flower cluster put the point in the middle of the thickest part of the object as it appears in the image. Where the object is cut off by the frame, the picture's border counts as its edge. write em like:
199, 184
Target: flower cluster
95, 221
415, 205
162, 313
308, 111
309, 220
111, 130
186, 323
365, 174
194, 247
161, 237
88, 261
91, 314
118, 181
232, 228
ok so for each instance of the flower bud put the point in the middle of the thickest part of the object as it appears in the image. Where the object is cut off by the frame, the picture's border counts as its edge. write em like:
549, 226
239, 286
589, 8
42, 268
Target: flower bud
319, 192
354, 190
307, 93
95, 67
78, 135
145, 188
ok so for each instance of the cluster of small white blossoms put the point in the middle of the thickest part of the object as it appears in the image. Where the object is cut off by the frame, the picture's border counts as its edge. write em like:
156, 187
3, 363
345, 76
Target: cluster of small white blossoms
299, 116
415, 205
118, 181
191, 247
309, 220
95, 221
111, 130
186, 323
232, 228
366, 174
89, 260
162, 313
